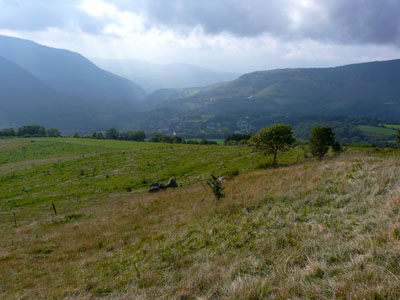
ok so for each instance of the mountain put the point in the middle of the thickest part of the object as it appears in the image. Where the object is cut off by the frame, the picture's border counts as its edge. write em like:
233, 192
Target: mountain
68, 72
25, 99
254, 99
156, 76
60, 88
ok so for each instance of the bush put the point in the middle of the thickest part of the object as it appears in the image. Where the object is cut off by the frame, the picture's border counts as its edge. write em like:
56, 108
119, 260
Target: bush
216, 187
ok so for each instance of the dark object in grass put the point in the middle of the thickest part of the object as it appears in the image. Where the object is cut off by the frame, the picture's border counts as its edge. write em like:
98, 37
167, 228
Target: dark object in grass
172, 183
158, 186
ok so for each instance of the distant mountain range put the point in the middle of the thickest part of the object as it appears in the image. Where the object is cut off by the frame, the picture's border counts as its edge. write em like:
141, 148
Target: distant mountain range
152, 77
255, 99
63, 89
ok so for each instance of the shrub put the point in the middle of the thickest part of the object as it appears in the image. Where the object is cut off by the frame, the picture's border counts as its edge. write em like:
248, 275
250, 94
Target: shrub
216, 187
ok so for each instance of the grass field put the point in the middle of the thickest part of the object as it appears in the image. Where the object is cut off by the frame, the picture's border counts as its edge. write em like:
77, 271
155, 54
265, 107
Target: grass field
314, 230
71, 172
393, 126
376, 130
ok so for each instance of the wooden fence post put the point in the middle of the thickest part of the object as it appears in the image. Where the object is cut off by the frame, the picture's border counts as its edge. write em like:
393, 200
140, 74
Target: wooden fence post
15, 220
54, 208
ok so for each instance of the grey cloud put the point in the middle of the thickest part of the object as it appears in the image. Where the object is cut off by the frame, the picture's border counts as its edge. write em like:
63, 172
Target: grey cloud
343, 21
337, 21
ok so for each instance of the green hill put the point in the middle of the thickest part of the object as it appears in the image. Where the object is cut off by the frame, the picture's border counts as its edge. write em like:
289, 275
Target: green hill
367, 89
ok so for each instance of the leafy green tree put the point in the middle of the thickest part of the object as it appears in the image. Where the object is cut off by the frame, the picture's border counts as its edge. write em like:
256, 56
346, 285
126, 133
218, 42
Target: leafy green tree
160, 138
321, 138
337, 148
53, 132
8, 132
76, 135
131, 135
271, 140
100, 136
31, 130
139, 136
94, 135
112, 134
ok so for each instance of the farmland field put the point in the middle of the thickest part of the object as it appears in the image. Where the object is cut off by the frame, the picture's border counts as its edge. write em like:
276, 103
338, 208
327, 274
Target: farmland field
376, 130
394, 126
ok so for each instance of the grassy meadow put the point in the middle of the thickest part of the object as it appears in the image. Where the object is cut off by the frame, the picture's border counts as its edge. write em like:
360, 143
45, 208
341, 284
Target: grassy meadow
307, 229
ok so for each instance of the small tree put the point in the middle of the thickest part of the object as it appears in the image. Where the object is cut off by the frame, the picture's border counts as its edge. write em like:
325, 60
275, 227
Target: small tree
112, 134
53, 132
337, 148
270, 140
321, 138
216, 186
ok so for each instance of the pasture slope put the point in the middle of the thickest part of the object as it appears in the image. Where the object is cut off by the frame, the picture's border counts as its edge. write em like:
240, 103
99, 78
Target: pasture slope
311, 230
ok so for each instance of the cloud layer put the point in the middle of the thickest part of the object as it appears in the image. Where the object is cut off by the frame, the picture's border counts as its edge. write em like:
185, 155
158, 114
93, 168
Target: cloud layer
279, 30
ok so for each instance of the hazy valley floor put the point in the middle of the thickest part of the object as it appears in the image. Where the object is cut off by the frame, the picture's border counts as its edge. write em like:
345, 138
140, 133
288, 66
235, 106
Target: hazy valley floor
313, 230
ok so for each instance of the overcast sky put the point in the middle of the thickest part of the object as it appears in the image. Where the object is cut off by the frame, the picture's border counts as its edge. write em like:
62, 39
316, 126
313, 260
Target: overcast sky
233, 35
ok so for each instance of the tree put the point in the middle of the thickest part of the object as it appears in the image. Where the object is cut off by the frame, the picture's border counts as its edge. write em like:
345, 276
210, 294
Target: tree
271, 140
321, 138
8, 132
53, 132
76, 135
100, 136
112, 134
337, 148
31, 130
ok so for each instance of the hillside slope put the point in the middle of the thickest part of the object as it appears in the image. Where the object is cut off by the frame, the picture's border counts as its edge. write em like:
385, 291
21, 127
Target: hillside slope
68, 72
259, 98
24, 99
360, 89
316, 230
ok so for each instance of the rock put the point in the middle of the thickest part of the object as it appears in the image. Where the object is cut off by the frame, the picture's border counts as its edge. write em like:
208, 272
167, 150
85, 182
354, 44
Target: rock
221, 180
171, 183
156, 187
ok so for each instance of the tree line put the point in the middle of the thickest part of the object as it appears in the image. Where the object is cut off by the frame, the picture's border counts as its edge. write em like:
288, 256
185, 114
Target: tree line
31, 131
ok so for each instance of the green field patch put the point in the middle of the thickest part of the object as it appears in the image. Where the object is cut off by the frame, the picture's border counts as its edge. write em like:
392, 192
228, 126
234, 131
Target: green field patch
393, 126
374, 130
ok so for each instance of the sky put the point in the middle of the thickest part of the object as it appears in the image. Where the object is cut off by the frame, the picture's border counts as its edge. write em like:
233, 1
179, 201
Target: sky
231, 35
